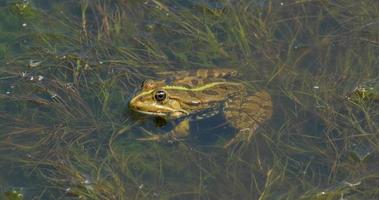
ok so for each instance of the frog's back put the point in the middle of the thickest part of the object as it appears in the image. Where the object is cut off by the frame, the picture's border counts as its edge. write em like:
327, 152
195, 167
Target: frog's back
201, 73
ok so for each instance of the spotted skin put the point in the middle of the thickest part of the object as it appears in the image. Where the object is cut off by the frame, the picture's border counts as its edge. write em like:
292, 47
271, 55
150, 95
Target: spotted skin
247, 114
200, 94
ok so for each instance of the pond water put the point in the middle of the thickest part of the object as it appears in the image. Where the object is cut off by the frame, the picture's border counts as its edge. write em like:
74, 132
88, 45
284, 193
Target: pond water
68, 70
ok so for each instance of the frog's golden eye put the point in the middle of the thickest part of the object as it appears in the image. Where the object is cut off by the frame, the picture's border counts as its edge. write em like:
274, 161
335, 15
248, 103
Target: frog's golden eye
160, 95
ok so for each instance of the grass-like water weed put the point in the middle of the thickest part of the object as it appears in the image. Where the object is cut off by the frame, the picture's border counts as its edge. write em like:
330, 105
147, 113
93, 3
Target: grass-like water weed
68, 70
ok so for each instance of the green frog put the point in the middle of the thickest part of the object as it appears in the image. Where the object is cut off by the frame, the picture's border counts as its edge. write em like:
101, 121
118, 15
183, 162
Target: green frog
188, 96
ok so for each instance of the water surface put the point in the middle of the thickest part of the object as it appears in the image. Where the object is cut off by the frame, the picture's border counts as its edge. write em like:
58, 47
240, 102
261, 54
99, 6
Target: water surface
69, 68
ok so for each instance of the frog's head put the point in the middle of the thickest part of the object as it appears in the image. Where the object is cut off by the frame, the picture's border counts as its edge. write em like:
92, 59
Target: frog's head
155, 100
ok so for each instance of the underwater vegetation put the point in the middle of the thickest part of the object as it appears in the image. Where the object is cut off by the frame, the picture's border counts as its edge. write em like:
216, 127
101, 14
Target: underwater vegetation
68, 70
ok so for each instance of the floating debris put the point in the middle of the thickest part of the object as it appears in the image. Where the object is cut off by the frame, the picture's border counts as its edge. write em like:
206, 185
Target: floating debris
352, 184
33, 63
40, 77
69, 85
53, 96
24, 74
68, 190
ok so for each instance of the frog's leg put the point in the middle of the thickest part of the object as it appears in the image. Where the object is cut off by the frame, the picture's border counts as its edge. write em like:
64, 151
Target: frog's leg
246, 114
180, 131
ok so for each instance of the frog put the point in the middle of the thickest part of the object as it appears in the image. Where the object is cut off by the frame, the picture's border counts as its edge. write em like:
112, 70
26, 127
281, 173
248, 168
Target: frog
185, 97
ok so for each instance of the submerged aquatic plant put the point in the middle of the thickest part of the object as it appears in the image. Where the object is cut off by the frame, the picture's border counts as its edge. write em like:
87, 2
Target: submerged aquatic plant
65, 82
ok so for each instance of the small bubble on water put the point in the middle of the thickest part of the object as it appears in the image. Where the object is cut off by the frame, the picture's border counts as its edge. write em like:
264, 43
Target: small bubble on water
281, 3
24, 24
316, 87
7, 92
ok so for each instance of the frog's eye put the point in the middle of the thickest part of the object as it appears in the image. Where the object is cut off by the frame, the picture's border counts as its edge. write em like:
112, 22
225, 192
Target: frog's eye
160, 95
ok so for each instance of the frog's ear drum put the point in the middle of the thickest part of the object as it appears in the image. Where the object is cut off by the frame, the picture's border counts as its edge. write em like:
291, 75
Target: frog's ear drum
160, 95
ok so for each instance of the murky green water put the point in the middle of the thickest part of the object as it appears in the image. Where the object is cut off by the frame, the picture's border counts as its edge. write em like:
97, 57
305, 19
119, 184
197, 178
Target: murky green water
68, 70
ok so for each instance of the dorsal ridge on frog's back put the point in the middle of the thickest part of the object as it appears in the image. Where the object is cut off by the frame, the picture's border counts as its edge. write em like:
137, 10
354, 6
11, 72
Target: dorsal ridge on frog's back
202, 73
200, 88
216, 73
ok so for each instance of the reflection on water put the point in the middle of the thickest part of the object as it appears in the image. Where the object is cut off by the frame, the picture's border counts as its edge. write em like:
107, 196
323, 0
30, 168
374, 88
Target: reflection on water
69, 69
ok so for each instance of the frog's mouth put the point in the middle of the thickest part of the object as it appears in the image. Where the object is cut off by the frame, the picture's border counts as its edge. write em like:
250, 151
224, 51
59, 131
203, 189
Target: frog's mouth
150, 113
172, 114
